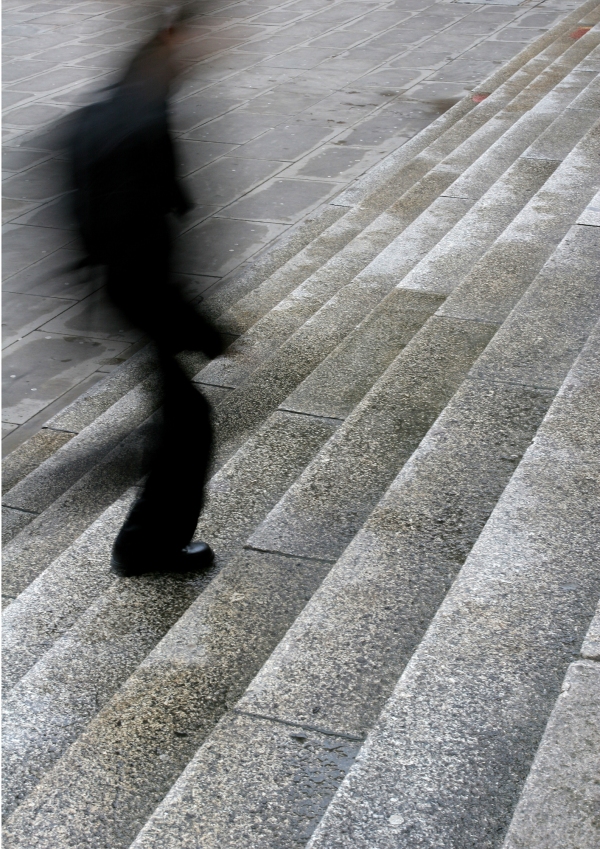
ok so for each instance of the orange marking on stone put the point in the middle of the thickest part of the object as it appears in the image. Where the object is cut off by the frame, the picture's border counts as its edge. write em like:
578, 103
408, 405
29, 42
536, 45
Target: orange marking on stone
481, 95
579, 32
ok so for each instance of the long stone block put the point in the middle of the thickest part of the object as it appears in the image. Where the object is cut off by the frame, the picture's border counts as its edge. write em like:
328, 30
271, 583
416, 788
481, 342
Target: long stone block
449, 262
81, 453
341, 659
336, 386
238, 496
13, 522
393, 576
333, 670
28, 456
102, 396
325, 508
53, 602
302, 768
82, 670
504, 84
247, 310
236, 286
559, 803
471, 143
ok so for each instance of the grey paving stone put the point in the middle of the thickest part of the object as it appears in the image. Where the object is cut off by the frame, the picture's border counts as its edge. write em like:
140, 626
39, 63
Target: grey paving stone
558, 804
11, 209
237, 127
334, 161
219, 245
286, 142
38, 183
33, 115
35, 360
230, 177
280, 201
302, 768
300, 239
466, 70
94, 317
24, 245
365, 455
28, 312
22, 68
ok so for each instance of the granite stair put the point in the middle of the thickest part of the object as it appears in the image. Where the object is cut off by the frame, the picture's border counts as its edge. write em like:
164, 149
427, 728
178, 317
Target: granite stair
405, 434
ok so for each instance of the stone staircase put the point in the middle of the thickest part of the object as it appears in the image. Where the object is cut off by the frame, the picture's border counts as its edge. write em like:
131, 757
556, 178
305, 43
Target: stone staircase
401, 505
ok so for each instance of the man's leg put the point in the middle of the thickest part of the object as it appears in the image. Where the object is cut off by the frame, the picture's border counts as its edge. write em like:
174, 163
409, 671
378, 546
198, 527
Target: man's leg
163, 519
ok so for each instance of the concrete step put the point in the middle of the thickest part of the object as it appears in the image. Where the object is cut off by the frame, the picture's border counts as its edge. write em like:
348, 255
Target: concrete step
279, 755
271, 382
453, 747
557, 804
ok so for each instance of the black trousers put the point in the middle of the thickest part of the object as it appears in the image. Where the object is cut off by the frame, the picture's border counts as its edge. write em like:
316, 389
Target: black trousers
163, 519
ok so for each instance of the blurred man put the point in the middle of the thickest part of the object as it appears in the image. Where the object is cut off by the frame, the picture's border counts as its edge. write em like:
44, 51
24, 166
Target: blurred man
126, 186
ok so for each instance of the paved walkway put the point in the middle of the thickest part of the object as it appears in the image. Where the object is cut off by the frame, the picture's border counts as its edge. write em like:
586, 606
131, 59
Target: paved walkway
289, 103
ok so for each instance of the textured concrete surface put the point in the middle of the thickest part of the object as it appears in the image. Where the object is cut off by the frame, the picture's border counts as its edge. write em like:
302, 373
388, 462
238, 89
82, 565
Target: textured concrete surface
284, 105
559, 805
50, 533
301, 768
391, 579
501, 277
432, 775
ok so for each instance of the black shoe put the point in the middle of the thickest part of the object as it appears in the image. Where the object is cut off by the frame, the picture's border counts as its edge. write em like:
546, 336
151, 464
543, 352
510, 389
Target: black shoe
193, 558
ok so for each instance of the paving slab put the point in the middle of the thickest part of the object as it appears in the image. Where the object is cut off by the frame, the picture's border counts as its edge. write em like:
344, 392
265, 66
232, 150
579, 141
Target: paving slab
44, 367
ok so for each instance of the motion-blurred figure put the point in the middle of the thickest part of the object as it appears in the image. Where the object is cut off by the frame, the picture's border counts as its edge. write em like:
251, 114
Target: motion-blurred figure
125, 181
